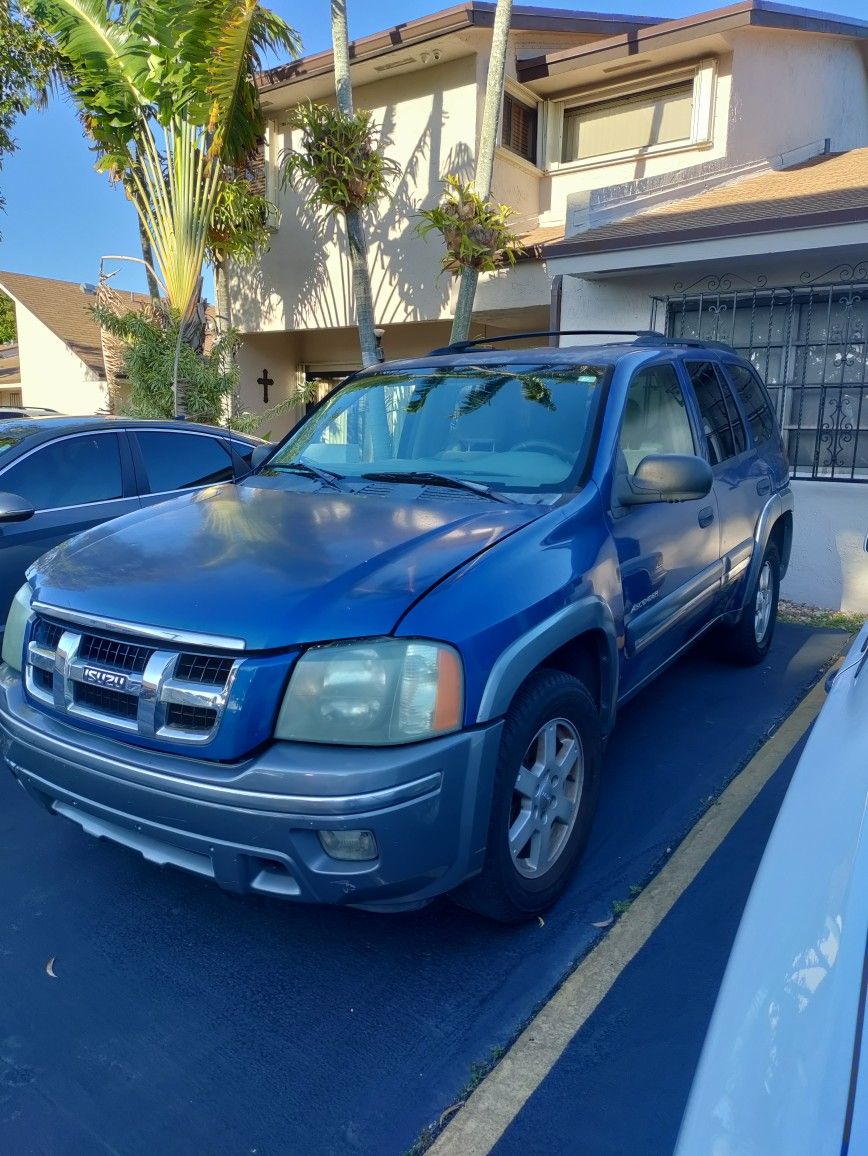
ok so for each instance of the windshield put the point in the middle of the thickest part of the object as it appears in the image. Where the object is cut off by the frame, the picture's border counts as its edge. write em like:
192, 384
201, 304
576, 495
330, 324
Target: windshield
510, 427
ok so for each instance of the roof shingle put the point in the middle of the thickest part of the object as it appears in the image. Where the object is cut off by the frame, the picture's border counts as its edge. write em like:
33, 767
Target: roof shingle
65, 310
834, 185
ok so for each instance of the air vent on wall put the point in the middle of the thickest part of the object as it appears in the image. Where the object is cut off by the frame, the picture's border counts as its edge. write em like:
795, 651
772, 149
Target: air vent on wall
395, 64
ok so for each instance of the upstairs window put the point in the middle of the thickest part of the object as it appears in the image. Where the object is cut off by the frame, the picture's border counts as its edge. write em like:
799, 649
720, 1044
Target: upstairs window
519, 128
661, 116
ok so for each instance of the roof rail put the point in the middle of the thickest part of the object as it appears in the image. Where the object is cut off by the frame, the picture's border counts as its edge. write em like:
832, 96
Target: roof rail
640, 337
462, 346
690, 342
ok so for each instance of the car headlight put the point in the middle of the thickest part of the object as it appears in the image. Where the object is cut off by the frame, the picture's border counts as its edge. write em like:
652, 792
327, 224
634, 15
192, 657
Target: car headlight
375, 693
16, 625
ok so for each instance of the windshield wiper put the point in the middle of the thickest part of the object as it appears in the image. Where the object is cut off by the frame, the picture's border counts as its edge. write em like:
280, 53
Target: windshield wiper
329, 478
432, 479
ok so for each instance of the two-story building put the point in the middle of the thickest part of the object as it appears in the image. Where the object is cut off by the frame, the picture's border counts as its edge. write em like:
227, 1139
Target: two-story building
704, 176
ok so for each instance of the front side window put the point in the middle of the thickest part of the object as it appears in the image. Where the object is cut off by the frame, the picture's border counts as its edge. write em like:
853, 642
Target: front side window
658, 117
518, 128
182, 461
522, 427
74, 471
724, 433
655, 417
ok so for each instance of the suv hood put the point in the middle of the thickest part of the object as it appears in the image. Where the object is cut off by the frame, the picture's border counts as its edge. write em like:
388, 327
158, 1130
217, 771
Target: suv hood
273, 567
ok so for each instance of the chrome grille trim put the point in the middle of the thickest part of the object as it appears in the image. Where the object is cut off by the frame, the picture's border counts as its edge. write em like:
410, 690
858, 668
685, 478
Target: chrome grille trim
97, 623
151, 692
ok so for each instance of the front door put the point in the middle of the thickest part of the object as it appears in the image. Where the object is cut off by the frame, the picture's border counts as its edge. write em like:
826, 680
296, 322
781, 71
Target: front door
669, 552
74, 483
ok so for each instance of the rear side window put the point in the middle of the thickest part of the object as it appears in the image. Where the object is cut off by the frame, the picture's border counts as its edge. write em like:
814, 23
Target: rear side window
180, 461
74, 471
754, 402
725, 436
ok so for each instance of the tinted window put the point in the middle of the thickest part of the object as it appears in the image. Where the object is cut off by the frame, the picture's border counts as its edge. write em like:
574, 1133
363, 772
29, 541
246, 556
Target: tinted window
178, 461
72, 472
724, 433
754, 402
655, 417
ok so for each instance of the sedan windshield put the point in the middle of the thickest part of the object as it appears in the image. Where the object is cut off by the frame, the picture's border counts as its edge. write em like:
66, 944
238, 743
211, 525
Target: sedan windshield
506, 427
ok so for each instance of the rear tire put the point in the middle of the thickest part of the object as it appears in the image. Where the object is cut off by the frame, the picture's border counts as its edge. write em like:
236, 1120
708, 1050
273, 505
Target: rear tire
545, 793
748, 642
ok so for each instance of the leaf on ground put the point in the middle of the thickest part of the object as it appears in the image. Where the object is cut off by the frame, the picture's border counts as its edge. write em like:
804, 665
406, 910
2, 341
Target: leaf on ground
605, 922
49, 968
450, 1111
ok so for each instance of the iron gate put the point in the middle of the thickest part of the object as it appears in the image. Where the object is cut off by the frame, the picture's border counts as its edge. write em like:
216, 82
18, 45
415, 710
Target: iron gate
809, 343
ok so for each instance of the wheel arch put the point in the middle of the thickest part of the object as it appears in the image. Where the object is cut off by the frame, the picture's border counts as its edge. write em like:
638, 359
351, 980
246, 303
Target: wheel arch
580, 640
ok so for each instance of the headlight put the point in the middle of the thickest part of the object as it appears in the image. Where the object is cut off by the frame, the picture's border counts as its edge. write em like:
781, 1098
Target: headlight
16, 624
373, 694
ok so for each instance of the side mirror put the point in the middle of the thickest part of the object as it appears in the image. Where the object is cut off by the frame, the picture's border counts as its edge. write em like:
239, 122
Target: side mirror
14, 508
666, 478
259, 455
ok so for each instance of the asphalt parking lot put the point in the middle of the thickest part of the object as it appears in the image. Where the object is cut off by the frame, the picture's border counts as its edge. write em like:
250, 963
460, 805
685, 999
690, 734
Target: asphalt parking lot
185, 1020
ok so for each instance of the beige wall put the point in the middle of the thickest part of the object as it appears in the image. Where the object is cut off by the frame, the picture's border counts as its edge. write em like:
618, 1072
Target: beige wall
51, 374
791, 89
428, 127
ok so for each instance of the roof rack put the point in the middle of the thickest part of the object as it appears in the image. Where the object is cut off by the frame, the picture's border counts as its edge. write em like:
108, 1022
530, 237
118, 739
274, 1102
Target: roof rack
640, 337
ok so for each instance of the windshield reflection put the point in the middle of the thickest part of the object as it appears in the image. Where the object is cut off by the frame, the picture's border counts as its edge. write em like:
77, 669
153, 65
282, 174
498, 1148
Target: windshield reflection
522, 428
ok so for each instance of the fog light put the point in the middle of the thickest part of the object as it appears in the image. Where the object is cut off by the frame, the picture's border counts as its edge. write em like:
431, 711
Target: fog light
349, 844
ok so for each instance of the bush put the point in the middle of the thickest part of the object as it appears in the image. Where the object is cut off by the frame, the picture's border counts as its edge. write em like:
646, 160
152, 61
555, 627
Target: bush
207, 379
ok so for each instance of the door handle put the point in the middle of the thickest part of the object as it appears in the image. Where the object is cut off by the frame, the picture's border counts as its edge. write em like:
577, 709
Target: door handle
764, 486
706, 516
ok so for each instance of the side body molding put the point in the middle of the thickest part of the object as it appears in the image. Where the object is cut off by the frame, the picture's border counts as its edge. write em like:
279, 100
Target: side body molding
528, 651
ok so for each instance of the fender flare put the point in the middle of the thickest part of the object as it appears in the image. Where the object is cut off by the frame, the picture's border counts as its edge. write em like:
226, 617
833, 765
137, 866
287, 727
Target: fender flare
530, 650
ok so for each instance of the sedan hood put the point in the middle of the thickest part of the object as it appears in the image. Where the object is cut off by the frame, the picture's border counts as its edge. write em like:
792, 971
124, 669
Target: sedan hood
271, 566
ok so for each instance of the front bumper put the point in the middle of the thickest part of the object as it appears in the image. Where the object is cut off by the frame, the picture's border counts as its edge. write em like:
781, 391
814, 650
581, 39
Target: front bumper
252, 826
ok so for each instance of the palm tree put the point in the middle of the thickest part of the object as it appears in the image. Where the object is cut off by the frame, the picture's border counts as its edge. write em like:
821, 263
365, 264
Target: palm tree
485, 156
166, 91
356, 236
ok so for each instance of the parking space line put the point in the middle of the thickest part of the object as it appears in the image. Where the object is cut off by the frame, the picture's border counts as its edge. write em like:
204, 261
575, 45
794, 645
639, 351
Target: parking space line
492, 1107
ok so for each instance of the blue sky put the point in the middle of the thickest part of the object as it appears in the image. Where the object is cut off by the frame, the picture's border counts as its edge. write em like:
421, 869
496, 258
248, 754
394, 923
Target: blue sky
61, 216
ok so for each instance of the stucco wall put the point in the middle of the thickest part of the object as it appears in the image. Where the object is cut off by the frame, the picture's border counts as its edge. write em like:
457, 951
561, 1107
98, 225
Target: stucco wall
830, 565
428, 126
791, 89
51, 374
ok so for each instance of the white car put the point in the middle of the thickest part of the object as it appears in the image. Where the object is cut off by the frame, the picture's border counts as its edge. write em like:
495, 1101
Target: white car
784, 1068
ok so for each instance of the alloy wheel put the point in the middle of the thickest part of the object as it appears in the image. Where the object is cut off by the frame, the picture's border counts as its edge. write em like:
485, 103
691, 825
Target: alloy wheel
546, 798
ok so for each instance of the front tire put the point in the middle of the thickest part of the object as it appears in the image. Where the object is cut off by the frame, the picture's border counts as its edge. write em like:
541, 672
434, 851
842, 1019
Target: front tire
749, 640
545, 793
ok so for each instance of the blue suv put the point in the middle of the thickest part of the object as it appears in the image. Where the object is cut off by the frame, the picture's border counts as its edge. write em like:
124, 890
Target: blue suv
384, 667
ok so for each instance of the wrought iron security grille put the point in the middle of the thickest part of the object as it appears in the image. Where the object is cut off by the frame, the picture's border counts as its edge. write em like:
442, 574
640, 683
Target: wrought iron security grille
810, 344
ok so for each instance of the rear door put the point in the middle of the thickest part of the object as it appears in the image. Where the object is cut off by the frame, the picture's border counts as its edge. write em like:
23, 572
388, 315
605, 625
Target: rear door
669, 552
172, 461
741, 479
74, 482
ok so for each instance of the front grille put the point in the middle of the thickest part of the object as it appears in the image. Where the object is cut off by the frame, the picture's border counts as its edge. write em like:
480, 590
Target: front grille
190, 718
119, 655
110, 702
47, 634
129, 684
203, 668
